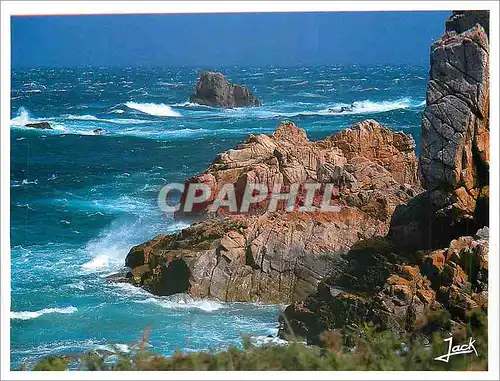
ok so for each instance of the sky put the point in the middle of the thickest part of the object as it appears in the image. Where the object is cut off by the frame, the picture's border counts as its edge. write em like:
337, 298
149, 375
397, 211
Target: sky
281, 39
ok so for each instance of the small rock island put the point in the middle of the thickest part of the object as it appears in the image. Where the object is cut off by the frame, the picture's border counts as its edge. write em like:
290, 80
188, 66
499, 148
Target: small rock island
213, 89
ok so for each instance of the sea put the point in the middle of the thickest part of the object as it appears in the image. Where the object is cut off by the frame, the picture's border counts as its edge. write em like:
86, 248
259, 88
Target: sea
80, 201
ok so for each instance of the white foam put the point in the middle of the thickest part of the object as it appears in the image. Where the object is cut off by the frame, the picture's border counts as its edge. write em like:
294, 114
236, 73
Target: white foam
191, 104
159, 109
358, 107
260, 341
367, 107
92, 118
22, 118
184, 302
27, 315
27, 182
82, 117
98, 262
78, 285
303, 83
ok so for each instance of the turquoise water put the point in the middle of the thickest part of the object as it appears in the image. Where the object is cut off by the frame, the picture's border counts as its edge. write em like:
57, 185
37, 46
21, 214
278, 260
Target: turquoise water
80, 201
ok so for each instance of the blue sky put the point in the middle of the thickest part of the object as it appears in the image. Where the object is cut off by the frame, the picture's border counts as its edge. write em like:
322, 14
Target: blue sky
285, 39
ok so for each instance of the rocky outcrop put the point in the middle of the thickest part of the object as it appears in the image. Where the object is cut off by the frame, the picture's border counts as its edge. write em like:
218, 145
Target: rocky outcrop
280, 257
454, 161
273, 258
213, 89
395, 151
371, 166
454, 278
460, 21
40, 125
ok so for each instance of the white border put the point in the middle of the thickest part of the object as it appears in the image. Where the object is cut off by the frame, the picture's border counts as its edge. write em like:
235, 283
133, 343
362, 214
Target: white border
109, 7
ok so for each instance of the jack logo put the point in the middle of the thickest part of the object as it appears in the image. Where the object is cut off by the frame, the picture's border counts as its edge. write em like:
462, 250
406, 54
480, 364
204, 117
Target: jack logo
463, 349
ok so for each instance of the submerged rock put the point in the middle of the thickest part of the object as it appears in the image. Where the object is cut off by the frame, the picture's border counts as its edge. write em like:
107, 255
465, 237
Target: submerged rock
99, 131
40, 125
213, 89
339, 110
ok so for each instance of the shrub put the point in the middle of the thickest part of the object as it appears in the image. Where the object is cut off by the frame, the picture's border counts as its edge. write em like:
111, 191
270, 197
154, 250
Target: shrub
374, 350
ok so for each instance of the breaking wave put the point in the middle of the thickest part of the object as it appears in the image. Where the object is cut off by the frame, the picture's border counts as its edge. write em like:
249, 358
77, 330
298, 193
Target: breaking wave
155, 109
27, 315
184, 302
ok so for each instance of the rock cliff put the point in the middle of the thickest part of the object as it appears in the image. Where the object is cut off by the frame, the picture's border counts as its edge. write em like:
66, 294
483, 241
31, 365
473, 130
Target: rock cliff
460, 21
431, 258
454, 161
213, 89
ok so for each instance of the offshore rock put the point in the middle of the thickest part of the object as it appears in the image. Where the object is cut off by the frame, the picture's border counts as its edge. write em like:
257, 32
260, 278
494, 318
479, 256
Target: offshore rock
213, 89
40, 125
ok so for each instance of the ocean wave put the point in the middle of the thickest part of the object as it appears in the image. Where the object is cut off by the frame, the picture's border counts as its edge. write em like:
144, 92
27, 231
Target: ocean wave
183, 132
171, 84
107, 252
81, 117
93, 118
305, 94
100, 262
370, 89
357, 107
27, 315
183, 302
303, 83
25, 206
364, 107
27, 182
367, 107
193, 105
22, 118
270, 112
262, 340
290, 79
155, 109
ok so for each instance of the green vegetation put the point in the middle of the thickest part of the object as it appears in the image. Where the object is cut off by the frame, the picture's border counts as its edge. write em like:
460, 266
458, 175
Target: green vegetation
373, 350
